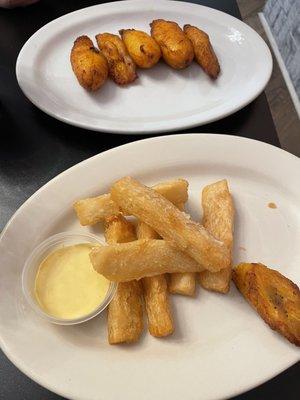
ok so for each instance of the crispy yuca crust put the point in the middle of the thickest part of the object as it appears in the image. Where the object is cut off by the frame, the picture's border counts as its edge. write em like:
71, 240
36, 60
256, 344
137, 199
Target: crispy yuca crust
95, 209
160, 321
141, 258
170, 223
125, 311
218, 219
183, 283
275, 297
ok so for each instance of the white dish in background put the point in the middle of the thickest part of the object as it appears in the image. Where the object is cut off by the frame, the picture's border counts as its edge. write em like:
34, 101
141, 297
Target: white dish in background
221, 347
162, 99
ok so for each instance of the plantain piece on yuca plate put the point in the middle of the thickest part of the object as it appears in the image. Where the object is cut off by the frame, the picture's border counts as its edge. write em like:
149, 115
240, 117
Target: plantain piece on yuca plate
275, 297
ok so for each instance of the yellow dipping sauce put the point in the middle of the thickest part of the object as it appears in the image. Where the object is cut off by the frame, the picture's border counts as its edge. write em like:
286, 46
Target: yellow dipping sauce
66, 284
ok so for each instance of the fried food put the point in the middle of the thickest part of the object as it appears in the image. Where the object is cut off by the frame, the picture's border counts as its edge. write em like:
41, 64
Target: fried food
182, 283
121, 66
218, 219
95, 209
171, 224
160, 321
119, 230
125, 314
141, 258
142, 48
156, 296
275, 298
125, 311
176, 191
88, 63
177, 49
204, 52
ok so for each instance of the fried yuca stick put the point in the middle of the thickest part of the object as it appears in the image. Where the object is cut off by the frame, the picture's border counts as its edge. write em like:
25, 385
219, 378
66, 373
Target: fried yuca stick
183, 283
144, 257
95, 209
218, 219
125, 311
156, 296
170, 223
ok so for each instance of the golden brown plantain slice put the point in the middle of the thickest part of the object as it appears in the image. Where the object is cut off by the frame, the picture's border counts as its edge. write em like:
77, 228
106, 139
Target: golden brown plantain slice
88, 64
142, 48
177, 49
275, 298
204, 52
121, 66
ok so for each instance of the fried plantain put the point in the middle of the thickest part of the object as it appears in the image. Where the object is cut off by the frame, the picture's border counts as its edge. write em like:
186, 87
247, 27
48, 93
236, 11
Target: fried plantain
177, 49
204, 52
121, 66
275, 298
88, 64
142, 48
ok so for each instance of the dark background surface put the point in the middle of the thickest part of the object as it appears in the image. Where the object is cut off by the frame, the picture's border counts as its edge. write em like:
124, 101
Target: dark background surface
35, 147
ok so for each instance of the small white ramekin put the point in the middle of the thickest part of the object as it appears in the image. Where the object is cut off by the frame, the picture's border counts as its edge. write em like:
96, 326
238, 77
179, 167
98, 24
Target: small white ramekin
39, 254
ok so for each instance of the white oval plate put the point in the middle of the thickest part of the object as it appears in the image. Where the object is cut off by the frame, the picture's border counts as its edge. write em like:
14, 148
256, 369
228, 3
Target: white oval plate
162, 99
221, 347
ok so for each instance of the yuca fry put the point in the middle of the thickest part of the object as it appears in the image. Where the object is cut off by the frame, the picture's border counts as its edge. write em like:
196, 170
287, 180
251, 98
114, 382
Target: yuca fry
177, 49
135, 260
95, 209
204, 52
142, 48
125, 311
119, 230
121, 66
156, 295
160, 321
184, 284
218, 219
89, 65
171, 224
274, 297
